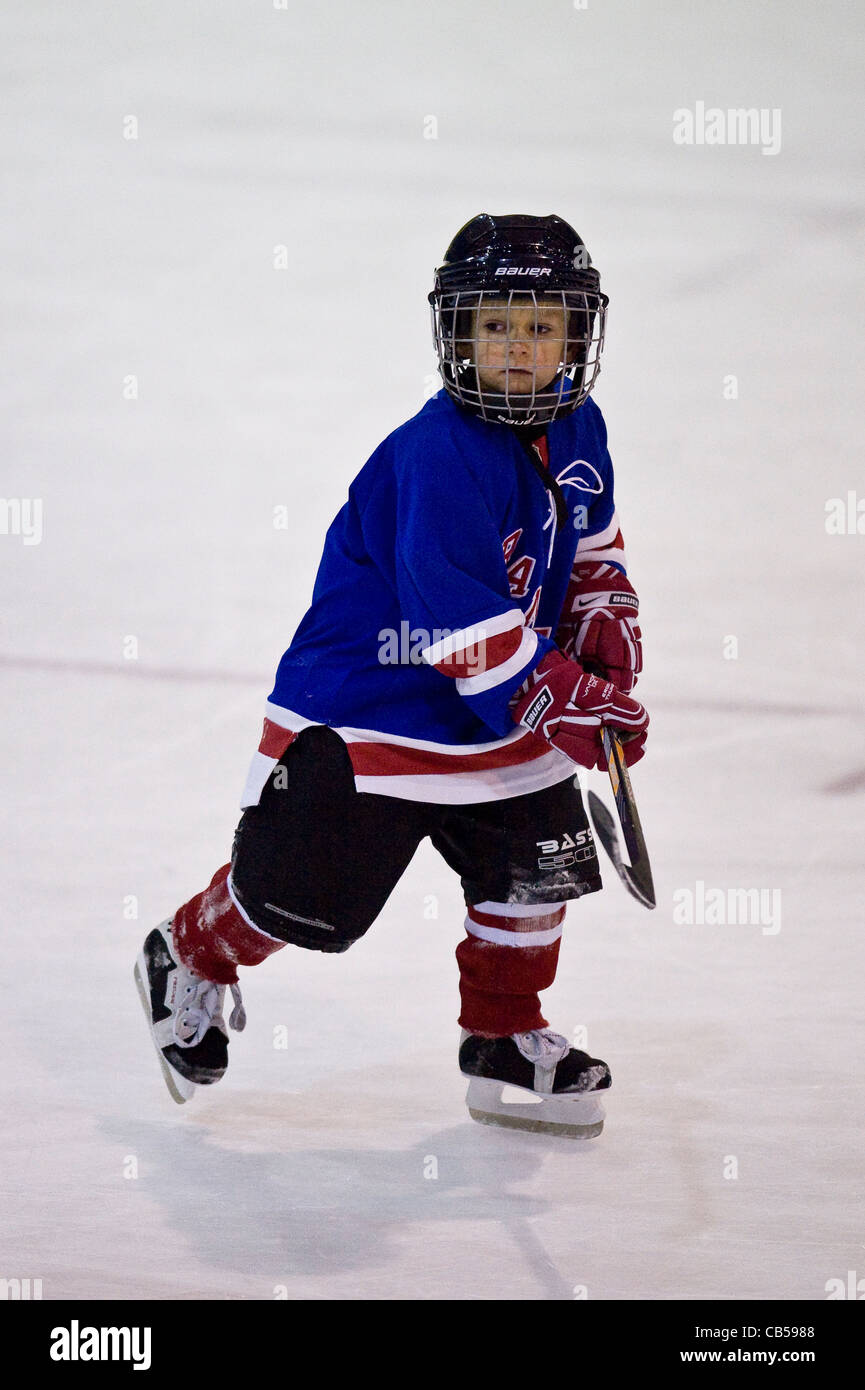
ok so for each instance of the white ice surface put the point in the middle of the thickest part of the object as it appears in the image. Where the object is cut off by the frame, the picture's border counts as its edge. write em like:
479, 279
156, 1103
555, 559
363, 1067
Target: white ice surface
259, 387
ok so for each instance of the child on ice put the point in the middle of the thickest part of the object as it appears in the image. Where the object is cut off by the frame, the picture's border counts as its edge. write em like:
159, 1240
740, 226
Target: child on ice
485, 528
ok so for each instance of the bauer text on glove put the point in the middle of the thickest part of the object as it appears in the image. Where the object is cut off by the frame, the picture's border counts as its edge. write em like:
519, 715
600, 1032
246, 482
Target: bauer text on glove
567, 706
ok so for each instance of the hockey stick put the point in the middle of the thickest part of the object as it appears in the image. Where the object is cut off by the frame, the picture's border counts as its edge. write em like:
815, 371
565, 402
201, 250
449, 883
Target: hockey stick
636, 876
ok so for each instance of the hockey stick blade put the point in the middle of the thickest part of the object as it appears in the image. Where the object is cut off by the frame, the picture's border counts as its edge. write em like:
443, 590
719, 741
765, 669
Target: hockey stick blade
636, 876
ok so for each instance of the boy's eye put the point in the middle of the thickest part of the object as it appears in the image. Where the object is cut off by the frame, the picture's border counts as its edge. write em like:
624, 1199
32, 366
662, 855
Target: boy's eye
500, 326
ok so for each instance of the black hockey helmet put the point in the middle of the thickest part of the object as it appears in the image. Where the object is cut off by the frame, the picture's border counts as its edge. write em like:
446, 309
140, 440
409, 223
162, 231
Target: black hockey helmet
498, 264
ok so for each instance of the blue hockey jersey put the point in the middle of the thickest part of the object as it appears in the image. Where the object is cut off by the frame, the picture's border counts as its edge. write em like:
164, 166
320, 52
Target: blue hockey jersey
440, 588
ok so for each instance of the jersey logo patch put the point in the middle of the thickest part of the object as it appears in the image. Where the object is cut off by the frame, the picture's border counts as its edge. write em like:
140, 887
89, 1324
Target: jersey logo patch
568, 478
519, 574
532, 610
509, 544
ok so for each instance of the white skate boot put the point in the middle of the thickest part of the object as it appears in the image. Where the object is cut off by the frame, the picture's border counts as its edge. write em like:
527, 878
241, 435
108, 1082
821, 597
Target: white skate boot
184, 1014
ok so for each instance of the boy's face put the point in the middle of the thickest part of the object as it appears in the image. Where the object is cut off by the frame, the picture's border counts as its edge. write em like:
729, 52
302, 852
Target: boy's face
520, 346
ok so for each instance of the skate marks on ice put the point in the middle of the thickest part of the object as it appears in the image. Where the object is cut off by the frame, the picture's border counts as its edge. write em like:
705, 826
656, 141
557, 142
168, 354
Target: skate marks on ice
324, 1192
279, 1188
785, 719
853, 781
82, 666
845, 785
257, 680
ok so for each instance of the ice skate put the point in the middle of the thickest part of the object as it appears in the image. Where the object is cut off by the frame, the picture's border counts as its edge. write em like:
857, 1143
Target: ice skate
184, 1013
565, 1084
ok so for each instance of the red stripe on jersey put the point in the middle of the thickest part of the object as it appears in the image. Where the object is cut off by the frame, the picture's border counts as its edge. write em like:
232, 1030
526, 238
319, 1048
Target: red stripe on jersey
275, 739
595, 576
482, 656
607, 550
392, 759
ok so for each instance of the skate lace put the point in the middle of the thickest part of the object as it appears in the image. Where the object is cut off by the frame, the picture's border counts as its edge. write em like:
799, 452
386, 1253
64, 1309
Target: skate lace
543, 1047
202, 1009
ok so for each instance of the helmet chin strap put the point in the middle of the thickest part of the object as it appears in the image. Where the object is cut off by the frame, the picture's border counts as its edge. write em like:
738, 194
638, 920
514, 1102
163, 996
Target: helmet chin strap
527, 435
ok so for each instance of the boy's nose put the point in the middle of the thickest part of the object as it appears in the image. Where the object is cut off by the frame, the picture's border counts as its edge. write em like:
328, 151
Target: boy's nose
520, 349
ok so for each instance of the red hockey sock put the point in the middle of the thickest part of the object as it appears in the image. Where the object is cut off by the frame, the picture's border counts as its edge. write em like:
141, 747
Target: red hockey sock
504, 961
212, 937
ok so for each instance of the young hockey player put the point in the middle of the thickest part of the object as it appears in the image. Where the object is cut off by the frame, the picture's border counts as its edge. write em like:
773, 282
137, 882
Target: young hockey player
471, 628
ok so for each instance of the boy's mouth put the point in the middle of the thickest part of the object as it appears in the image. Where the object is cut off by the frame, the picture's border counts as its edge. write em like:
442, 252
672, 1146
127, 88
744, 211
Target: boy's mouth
522, 380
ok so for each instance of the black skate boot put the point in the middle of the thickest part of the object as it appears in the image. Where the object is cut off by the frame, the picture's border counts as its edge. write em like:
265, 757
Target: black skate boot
565, 1084
185, 1016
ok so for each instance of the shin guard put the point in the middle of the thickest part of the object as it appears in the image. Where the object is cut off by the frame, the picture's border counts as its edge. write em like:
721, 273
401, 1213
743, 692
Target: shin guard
213, 937
509, 954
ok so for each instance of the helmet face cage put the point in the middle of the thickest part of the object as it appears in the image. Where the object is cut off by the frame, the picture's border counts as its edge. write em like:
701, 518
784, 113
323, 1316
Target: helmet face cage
478, 335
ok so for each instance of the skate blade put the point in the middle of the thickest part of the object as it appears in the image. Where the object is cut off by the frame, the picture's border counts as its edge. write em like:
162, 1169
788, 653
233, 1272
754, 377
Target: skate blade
576, 1117
179, 1088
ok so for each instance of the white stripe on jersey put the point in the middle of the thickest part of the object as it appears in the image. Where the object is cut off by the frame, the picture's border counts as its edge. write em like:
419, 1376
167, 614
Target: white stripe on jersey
486, 680
472, 636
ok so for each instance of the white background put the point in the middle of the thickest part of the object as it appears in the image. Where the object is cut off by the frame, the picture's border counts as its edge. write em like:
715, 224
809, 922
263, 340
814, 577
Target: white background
259, 387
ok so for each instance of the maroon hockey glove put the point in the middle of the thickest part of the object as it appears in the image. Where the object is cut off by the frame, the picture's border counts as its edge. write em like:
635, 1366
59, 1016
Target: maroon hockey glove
566, 706
599, 624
